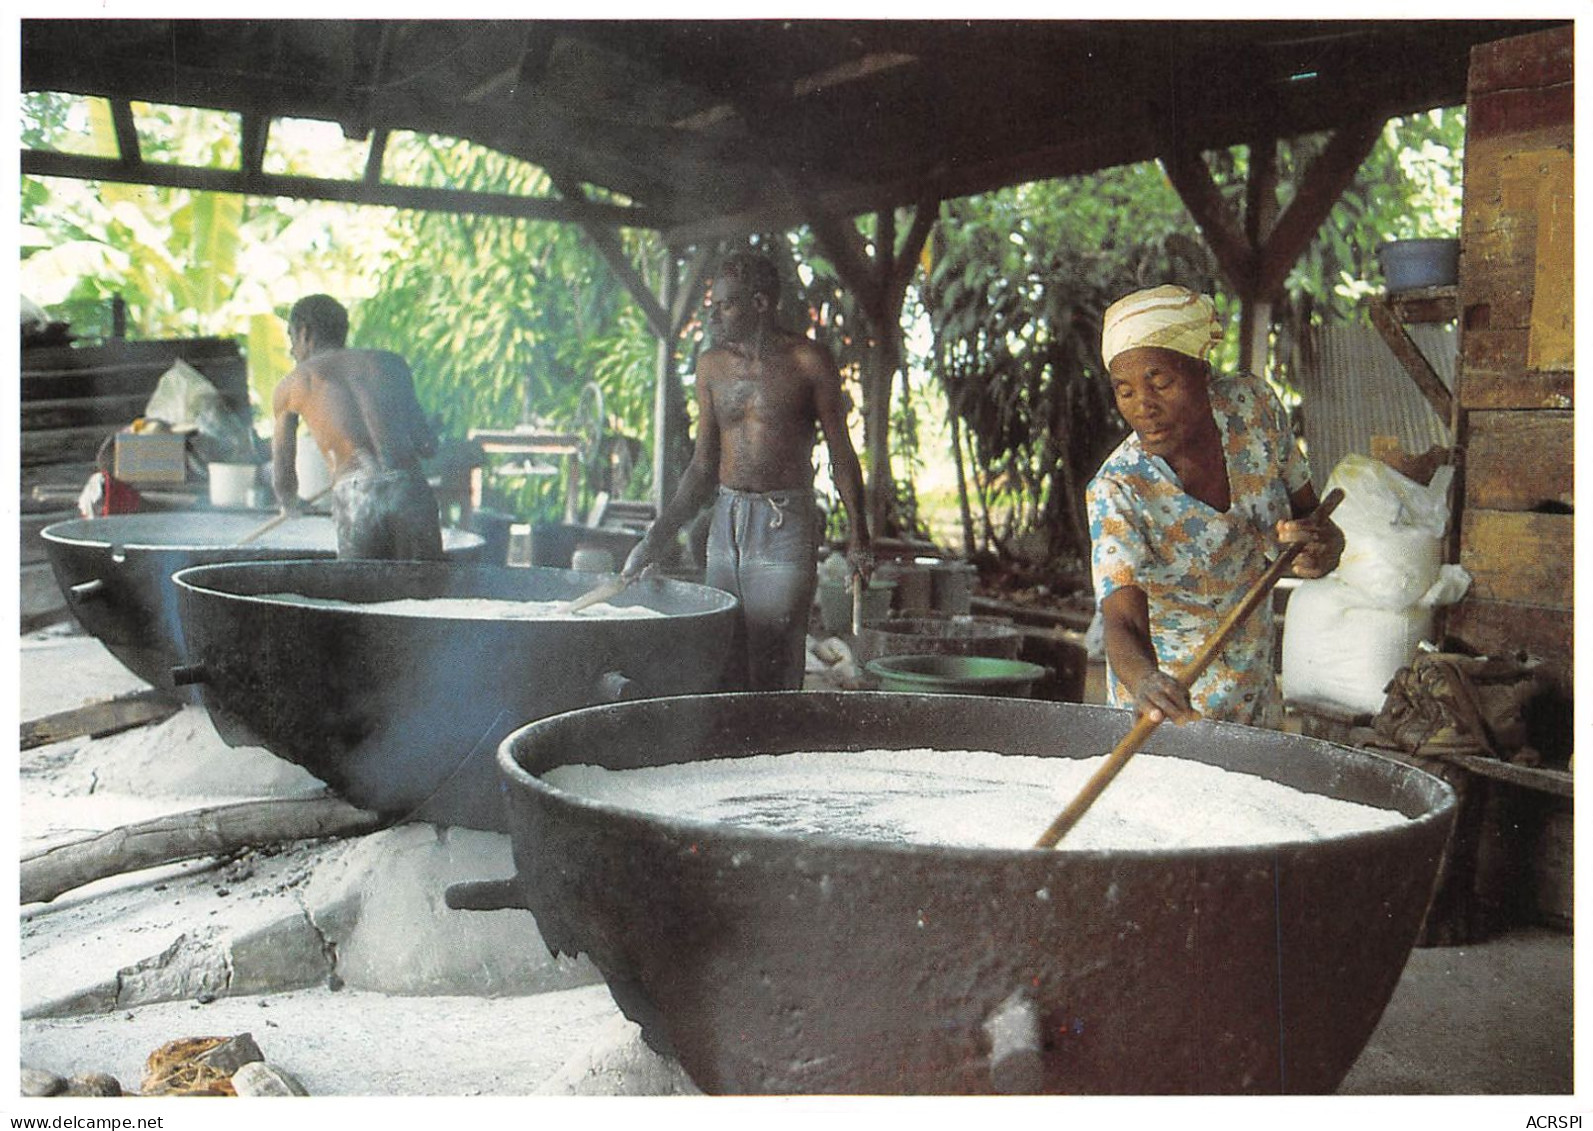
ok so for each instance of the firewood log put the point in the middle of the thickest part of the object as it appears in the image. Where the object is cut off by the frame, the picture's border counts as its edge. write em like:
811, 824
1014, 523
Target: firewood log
182, 836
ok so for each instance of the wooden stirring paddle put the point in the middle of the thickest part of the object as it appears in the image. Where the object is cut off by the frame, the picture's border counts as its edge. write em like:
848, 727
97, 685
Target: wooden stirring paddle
1209, 651
272, 523
610, 587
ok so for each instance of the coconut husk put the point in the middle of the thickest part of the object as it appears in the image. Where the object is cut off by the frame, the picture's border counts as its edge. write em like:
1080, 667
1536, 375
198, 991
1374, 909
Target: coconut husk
175, 1069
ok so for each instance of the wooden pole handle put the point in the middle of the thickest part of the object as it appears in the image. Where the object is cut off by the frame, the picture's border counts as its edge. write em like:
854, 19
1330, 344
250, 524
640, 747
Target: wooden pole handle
1140, 732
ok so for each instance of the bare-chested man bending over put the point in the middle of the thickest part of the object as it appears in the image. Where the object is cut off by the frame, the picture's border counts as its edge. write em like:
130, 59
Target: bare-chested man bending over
760, 392
361, 409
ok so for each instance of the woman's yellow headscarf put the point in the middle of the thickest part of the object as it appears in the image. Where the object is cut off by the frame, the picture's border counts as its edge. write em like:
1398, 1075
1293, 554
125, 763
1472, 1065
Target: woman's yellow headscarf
1168, 316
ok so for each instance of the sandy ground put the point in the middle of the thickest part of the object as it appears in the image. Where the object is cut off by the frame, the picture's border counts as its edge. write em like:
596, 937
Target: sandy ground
337, 955
341, 960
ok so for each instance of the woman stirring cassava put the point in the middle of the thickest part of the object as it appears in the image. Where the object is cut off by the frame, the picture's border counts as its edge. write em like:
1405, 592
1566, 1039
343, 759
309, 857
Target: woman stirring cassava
1186, 511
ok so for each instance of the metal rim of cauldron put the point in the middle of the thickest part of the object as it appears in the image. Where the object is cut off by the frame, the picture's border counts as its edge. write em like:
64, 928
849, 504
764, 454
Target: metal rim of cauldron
67, 532
96, 536
120, 588
115, 574
907, 622
514, 772
917, 672
202, 579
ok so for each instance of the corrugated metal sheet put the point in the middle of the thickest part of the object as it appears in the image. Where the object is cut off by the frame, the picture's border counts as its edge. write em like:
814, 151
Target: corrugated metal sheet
1353, 388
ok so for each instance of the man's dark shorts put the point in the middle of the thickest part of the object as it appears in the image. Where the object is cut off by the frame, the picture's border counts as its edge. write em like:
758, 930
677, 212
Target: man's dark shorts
388, 515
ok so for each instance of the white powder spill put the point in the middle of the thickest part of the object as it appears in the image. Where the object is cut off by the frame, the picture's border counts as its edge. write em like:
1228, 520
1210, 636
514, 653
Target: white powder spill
471, 608
977, 799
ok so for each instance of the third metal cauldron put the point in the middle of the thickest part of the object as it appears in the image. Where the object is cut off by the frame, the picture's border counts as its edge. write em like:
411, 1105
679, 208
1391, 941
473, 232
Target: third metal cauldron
777, 963
116, 572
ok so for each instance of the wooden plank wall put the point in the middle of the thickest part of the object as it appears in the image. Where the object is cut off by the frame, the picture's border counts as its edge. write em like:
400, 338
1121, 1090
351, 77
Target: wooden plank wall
1515, 403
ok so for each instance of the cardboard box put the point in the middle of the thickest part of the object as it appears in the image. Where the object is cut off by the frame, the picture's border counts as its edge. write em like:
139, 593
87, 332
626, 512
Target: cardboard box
147, 458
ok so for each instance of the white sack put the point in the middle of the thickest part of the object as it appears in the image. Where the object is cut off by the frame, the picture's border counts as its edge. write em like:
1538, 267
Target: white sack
1451, 586
1391, 568
185, 399
1338, 650
1393, 530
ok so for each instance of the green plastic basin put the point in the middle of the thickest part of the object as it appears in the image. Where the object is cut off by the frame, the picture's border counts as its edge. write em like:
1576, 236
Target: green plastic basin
956, 675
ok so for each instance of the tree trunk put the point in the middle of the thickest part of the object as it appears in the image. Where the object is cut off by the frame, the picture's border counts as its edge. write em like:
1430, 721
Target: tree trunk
879, 385
962, 484
880, 283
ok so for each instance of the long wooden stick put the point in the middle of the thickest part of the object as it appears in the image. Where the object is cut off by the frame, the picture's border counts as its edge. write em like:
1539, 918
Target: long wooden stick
183, 836
272, 523
1144, 725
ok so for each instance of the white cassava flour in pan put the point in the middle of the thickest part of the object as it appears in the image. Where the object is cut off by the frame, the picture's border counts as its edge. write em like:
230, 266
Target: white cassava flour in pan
977, 799
469, 608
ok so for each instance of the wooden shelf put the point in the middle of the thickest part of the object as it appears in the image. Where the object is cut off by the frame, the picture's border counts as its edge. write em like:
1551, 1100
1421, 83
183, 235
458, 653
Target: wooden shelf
1426, 304
1536, 778
525, 443
1391, 312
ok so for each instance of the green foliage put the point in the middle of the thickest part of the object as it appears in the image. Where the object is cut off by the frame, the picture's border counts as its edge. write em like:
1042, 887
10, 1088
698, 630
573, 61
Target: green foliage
171, 255
185, 263
503, 321
506, 321
1021, 276
1409, 186
1014, 299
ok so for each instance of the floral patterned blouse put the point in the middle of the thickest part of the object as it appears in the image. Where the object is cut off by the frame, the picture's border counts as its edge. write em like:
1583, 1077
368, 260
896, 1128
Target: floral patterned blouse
1194, 563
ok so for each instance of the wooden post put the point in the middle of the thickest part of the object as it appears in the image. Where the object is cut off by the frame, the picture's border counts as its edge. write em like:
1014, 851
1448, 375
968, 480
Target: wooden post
885, 360
183, 836
1255, 256
95, 720
1255, 334
609, 247
1261, 215
663, 480
880, 283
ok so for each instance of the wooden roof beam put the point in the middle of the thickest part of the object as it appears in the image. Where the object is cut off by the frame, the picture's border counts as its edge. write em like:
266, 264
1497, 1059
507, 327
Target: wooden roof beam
688, 295
1254, 256
844, 245
1191, 177
608, 246
1261, 190
255, 133
374, 155
1324, 182
38, 163
126, 132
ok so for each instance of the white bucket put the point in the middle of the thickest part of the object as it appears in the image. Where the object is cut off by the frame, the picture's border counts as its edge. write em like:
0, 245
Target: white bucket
232, 484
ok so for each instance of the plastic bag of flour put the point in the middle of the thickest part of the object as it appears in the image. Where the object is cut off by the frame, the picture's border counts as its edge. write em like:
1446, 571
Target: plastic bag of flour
1393, 531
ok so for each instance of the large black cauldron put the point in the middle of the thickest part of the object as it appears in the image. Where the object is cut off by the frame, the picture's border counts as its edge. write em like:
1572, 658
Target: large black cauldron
770, 963
116, 572
404, 714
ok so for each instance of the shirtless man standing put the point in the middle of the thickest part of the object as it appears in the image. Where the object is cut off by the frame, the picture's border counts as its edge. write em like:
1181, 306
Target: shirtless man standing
361, 409
760, 391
